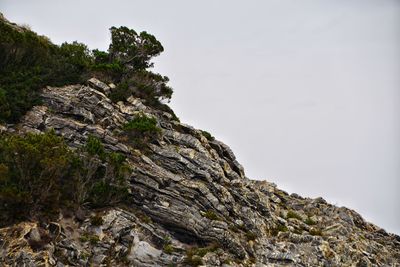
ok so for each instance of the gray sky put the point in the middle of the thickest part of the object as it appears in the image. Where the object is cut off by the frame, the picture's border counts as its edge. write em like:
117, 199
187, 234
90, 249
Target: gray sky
307, 93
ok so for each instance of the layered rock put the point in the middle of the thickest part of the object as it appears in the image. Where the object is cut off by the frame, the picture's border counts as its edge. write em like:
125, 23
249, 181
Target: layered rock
192, 203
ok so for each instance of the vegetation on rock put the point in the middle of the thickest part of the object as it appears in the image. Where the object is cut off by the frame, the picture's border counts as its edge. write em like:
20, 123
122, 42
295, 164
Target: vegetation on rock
142, 130
210, 214
186, 195
29, 62
40, 175
208, 136
292, 214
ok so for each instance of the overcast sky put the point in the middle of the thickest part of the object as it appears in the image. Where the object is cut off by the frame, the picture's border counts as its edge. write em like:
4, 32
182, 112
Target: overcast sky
306, 93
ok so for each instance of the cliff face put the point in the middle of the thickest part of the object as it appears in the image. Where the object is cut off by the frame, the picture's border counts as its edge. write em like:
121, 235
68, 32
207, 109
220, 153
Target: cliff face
193, 204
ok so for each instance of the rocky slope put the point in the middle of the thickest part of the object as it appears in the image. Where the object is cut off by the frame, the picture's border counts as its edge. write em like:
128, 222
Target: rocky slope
193, 204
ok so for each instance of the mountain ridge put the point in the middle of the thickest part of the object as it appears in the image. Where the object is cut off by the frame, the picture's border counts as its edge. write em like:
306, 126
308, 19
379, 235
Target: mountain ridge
194, 192
100, 172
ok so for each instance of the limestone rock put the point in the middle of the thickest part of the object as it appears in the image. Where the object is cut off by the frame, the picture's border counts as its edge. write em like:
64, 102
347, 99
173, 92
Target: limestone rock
191, 200
99, 85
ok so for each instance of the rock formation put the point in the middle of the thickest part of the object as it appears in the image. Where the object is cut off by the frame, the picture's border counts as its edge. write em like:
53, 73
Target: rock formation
193, 204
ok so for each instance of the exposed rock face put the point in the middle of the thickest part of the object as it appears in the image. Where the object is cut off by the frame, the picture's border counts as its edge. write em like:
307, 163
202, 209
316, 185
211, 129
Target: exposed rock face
190, 194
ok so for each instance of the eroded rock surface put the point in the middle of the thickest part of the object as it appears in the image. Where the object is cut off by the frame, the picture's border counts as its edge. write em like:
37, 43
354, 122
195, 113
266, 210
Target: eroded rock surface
192, 203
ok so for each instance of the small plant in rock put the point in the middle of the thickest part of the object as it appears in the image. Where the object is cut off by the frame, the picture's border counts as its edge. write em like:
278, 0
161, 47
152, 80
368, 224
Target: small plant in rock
194, 255
209, 214
310, 221
143, 124
250, 236
193, 260
85, 255
94, 239
204, 250
315, 231
293, 214
208, 135
143, 217
168, 248
87, 237
278, 228
96, 220
142, 130
297, 231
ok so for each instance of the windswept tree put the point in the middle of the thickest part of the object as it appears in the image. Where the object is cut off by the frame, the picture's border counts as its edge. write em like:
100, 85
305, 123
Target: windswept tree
132, 49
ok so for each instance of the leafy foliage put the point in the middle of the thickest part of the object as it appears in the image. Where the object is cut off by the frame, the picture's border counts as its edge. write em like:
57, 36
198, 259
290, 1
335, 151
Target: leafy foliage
95, 147
29, 62
168, 248
142, 130
40, 175
143, 124
36, 173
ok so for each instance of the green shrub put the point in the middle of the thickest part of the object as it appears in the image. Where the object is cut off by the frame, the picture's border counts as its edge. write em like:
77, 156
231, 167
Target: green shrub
194, 255
293, 214
94, 239
121, 92
208, 136
87, 237
40, 176
204, 250
105, 194
310, 221
192, 259
96, 220
278, 228
95, 147
142, 130
29, 62
168, 248
143, 124
36, 171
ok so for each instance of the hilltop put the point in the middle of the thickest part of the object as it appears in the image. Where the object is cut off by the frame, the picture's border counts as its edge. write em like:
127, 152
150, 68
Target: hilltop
97, 171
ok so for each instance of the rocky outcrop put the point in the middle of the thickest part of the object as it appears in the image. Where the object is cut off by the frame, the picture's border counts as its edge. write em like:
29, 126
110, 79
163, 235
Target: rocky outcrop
193, 203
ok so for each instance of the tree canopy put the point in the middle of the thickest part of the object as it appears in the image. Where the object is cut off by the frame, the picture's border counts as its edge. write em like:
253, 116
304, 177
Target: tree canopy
132, 49
28, 62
